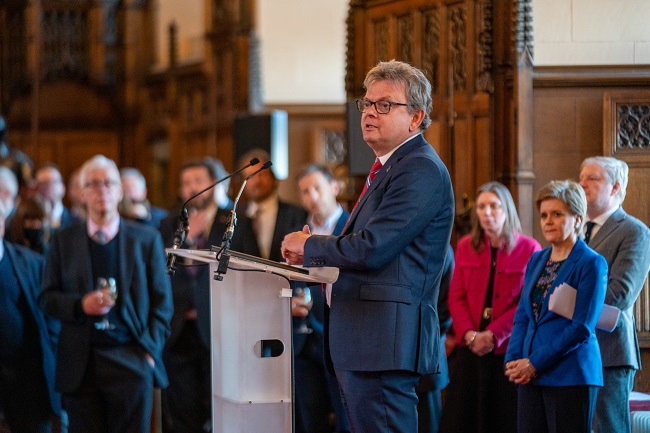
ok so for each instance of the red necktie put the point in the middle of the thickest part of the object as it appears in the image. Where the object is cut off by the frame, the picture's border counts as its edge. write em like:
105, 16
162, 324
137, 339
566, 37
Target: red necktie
371, 176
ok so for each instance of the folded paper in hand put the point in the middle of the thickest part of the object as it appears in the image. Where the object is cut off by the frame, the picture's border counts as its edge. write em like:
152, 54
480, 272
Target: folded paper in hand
563, 302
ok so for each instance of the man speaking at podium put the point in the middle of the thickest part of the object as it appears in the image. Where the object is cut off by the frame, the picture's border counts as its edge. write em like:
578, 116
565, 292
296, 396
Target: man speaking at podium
383, 325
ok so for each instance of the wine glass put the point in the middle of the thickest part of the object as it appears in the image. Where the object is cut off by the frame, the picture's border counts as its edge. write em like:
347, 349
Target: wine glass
103, 283
303, 294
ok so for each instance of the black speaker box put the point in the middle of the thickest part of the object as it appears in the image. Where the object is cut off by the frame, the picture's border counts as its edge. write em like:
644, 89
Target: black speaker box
264, 131
360, 156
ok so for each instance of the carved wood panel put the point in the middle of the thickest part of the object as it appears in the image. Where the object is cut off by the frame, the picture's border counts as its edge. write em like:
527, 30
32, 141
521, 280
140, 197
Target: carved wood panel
454, 43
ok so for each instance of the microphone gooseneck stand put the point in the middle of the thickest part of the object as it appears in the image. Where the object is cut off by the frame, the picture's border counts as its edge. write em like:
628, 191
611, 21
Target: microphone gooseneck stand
184, 221
222, 251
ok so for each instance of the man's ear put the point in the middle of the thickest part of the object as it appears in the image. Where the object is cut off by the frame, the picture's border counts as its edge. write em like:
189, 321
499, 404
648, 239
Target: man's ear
416, 120
616, 188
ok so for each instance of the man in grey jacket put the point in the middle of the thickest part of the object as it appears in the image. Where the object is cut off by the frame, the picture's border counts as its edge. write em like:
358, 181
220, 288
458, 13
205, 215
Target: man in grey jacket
623, 240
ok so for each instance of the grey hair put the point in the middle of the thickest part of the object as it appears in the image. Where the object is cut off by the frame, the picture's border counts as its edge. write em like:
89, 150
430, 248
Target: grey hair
134, 173
98, 162
418, 88
571, 194
615, 171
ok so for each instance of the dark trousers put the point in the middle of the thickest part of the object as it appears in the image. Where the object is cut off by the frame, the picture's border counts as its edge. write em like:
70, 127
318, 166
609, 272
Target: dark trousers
556, 409
478, 389
429, 411
317, 393
187, 402
116, 394
24, 397
380, 401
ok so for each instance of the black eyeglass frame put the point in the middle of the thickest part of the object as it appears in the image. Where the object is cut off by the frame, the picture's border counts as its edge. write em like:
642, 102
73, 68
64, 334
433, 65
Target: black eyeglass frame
364, 104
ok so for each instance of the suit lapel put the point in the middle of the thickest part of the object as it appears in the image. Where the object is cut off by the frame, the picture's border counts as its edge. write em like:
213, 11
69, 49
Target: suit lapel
610, 225
21, 272
536, 271
340, 224
382, 174
126, 262
80, 244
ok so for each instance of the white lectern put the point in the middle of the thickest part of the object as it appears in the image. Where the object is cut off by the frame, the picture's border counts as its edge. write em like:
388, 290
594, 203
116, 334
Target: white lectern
251, 340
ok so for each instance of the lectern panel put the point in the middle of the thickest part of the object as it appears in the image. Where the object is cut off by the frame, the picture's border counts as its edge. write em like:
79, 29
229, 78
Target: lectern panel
251, 388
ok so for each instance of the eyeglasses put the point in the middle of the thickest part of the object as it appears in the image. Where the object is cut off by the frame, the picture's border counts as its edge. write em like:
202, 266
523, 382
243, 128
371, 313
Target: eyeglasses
493, 207
382, 107
97, 184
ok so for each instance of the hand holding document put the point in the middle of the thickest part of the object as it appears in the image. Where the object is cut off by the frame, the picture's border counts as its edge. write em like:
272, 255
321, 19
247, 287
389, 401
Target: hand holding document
563, 302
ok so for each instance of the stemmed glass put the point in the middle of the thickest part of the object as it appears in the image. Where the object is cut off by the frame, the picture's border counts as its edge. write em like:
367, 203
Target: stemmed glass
104, 283
303, 294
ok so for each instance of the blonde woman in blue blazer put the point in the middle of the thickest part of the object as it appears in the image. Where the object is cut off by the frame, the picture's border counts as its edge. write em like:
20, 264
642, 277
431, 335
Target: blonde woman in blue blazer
556, 361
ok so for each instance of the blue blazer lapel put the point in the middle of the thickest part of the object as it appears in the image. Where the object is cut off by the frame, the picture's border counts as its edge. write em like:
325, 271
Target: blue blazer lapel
535, 272
565, 272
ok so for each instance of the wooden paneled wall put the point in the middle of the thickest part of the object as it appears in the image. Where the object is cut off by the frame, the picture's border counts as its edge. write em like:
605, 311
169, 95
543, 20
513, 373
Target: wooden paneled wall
586, 111
476, 53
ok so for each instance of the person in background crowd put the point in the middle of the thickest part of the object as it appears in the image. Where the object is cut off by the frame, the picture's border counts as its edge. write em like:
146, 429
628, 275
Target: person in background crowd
624, 241
316, 389
272, 218
135, 205
28, 226
187, 402
18, 162
75, 196
390, 254
554, 360
27, 341
484, 294
106, 281
429, 386
50, 191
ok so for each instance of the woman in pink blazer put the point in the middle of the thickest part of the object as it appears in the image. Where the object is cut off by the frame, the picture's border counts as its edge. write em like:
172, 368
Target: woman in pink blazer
483, 297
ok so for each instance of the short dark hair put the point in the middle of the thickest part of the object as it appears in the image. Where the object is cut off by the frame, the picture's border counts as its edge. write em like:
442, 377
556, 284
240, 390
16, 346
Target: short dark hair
214, 167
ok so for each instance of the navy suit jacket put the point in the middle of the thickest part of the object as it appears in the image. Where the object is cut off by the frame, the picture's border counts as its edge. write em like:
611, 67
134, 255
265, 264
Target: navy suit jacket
391, 255
564, 352
28, 267
194, 290
145, 302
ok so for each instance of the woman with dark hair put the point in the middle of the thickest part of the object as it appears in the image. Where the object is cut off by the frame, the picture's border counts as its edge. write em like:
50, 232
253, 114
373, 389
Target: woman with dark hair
555, 360
483, 297
29, 226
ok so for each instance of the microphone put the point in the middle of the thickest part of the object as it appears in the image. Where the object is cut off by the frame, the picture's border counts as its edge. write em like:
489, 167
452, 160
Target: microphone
232, 220
184, 221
